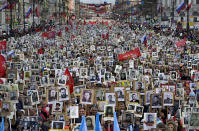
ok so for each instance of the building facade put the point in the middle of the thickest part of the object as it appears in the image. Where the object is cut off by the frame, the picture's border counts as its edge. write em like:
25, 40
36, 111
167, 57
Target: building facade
169, 12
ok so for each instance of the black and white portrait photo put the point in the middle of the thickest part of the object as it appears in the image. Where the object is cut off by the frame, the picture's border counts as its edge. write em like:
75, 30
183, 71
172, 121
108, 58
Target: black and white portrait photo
83, 72
87, 96
63, 94
156, 101
110, 98
179, 93
120, 93
52, 95
108, 76
148, 97
123, 76
13, 95
62, 80
194, 121
27, 101
134, 97
109, 110
150, 120
58, 124
131, 108
139, 86
77, 89
35, 97
173, 75
44, 80
168, 98
57, 107
100, 95
139, 111
90, 122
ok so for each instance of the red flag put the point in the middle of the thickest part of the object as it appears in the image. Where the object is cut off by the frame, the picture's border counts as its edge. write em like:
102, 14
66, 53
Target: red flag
70, 82
66, 28
72, 37
44, 34
41, 51
2, 66
181, 43
37, 11
51, 35
38, 29
2, 45
59, 33
131, 54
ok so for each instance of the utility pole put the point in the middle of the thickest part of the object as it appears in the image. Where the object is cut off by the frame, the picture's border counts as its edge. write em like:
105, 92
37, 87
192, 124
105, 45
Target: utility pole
33, 16
187, 1
24, 27
59, 13
10, 3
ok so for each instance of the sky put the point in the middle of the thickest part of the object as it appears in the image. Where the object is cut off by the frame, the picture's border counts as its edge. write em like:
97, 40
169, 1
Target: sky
97, 1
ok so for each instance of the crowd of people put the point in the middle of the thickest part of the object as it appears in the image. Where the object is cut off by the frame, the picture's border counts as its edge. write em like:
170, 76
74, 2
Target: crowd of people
51, 78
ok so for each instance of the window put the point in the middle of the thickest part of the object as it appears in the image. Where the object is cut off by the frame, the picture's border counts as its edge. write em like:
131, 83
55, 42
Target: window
197, 1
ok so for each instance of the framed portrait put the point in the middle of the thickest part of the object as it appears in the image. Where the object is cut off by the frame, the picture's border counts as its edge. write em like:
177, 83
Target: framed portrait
139, 86
35, 97
58, 125
127, 117
109, 110
132, 107
42, 91
194, 121
120, 93
11, 73
60, 117
87, 96
179, 94
76, 127
131, 64
83, 72
168, 98
74, 111
173, 75
51, 81
108, 76
156, 101
57, 107
102, 71
186, 118
13, 95
101, 105
44, 80
150, 121
132, 74
27, 75
5, 108
77, 89
155, 83
139, 111
179, 85
134, 97
27, 102
189, 64
62, 80
197, 76
110, 98
64, 94
90, 122
4, 96
123, 76
52, 95
100, 95
118, 69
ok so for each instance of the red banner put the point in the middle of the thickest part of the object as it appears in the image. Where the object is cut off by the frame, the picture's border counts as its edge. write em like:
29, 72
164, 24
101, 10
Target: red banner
3, 45
181, 43
129, 55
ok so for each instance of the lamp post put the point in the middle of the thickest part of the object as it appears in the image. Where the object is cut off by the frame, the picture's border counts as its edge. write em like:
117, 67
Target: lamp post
33, 12
10, 3
187, 2
24, 27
